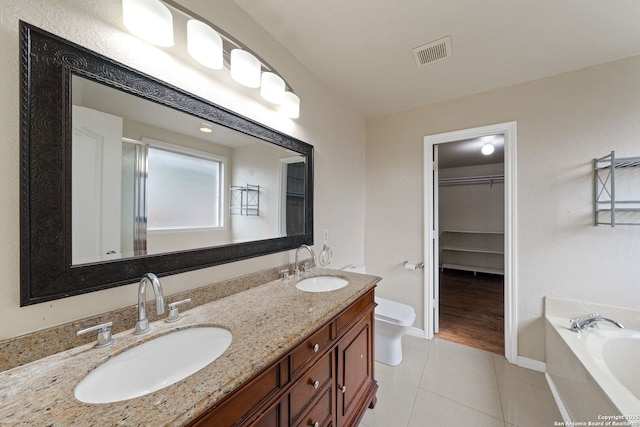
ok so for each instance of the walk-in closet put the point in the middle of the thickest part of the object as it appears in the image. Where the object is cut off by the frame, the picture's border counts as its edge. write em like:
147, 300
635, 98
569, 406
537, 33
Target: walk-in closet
471, 243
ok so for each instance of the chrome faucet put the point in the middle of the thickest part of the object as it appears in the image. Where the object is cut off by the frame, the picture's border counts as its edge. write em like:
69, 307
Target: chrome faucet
296, 269
142, 325
591, 321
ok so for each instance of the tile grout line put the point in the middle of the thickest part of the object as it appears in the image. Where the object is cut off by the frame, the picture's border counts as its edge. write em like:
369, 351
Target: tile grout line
495, 372
458, 402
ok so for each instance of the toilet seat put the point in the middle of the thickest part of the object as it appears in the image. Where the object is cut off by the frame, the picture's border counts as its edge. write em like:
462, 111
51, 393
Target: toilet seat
394, 312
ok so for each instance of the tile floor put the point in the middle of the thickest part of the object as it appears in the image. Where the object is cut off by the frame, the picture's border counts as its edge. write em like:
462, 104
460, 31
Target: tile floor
444, 384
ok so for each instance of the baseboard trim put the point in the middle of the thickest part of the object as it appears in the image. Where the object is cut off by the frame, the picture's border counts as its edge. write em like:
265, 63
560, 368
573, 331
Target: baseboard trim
559, 403
532, 364
416, 332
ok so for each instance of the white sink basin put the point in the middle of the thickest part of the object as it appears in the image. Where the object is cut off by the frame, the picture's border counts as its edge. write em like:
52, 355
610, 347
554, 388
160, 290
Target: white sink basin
322, 284
153, 365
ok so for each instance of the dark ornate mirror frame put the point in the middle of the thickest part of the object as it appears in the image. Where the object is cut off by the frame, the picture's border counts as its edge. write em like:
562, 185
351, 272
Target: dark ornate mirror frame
47, 64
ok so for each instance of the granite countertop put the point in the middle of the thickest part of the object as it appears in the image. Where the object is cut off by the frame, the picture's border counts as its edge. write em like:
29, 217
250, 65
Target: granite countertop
265, 321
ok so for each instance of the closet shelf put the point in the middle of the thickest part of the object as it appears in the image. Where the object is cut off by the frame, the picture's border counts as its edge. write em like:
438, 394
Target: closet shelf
472, 232
472, 250
475, 269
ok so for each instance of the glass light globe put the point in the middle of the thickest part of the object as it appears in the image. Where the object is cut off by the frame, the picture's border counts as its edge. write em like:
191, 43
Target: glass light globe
245, 68
204, 44
149, 20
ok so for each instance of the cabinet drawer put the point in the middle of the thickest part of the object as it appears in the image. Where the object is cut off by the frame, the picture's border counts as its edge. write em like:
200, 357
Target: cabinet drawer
353, 310
312, 382
310, 348
321, 413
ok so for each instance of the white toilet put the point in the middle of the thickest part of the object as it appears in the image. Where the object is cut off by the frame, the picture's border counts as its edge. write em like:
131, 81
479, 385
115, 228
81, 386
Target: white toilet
392, 319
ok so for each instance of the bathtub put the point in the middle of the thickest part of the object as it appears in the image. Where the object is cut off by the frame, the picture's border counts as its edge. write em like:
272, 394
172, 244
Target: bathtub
595, 374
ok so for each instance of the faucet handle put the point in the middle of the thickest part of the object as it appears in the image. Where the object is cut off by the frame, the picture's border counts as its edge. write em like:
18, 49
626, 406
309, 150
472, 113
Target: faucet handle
174, 312
104, 334
285, 274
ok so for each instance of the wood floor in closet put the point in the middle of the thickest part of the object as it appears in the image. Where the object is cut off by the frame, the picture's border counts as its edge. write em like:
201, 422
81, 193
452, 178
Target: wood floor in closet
472, 309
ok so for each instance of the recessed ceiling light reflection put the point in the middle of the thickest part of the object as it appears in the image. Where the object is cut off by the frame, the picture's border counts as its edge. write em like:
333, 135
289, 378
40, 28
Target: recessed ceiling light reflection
487, 149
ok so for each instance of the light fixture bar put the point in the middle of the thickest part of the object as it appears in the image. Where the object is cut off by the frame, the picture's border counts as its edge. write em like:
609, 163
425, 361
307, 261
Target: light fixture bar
226, 37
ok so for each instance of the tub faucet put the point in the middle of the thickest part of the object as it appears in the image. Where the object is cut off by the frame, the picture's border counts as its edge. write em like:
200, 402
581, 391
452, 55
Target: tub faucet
591, 321
296, 270
142, 325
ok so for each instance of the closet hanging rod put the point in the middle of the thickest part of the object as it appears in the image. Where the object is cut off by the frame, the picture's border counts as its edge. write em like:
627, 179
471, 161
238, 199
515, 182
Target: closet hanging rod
472, 180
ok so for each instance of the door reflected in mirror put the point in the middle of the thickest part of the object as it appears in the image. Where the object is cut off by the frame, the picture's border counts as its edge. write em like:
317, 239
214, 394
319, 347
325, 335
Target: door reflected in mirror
147, 180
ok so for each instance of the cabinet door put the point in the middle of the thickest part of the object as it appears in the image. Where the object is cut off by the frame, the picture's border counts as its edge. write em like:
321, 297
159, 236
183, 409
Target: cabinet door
355, 383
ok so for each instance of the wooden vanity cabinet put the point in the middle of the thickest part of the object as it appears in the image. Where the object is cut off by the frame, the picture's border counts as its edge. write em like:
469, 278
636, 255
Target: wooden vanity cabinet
327, 380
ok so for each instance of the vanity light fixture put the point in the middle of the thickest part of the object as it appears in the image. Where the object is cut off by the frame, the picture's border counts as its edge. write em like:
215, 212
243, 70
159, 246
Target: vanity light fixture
152, 21
149, 20
487, 148
272, 87
204, 44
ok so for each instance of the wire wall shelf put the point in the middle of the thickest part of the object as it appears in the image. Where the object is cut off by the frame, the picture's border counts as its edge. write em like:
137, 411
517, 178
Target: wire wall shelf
244, 200
616, 187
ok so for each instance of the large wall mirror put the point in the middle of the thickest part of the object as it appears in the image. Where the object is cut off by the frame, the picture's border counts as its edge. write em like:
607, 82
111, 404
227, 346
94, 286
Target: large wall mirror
122, 174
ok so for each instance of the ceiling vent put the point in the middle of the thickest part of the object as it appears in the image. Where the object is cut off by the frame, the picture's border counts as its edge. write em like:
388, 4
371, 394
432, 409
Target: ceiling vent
432, 52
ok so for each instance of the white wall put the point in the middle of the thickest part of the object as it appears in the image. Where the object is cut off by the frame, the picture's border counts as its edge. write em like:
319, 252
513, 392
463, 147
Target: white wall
258, 164
336, 132
471, 207
563, 123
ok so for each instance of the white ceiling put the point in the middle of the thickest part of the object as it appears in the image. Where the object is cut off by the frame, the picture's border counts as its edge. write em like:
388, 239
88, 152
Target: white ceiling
361, 49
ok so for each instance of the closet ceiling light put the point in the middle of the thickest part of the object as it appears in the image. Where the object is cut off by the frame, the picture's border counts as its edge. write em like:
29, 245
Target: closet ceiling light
149, 20
204, 44
488, 149
245, 68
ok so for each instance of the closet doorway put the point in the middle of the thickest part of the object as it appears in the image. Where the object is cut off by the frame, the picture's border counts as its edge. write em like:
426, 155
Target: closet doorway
469, 238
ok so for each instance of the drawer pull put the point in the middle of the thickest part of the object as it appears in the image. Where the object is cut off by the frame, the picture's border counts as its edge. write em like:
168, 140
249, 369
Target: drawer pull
316, 424
316, 384
316, 347
343, 388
